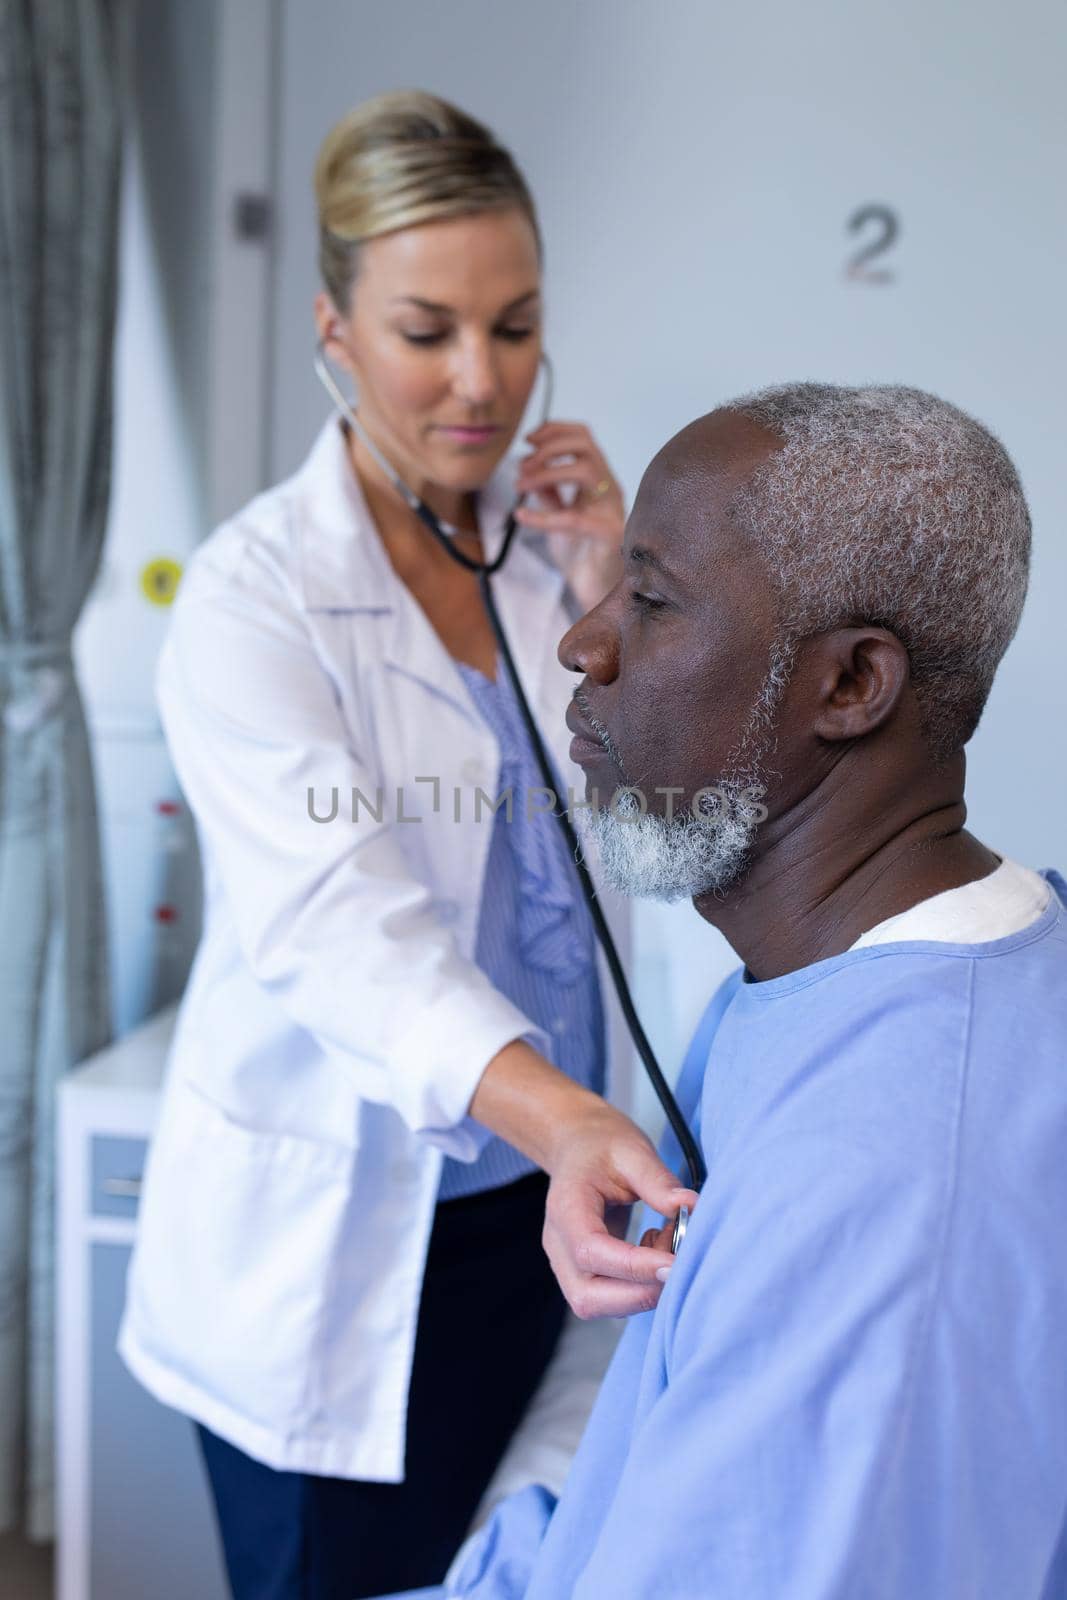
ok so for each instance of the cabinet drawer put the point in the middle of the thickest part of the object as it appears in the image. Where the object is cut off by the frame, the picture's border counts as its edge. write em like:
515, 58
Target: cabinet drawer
116, 1168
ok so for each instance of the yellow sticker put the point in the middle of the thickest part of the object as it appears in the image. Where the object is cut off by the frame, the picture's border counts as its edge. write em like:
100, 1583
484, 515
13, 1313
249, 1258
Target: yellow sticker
159, 580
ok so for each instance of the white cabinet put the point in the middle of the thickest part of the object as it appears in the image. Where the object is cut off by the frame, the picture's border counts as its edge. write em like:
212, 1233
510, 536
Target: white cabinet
134, 1511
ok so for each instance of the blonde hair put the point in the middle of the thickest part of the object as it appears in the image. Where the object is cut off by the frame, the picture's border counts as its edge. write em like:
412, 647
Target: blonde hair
400, 159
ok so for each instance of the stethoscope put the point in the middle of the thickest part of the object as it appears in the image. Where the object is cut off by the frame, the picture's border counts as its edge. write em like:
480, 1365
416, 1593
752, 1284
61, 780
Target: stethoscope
444, 533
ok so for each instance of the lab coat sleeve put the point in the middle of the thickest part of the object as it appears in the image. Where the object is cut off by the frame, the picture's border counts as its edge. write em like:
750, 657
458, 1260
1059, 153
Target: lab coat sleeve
328, 915
788, 1452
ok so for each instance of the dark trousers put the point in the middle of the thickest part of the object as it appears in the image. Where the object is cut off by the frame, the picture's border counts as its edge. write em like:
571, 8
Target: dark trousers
489, 1319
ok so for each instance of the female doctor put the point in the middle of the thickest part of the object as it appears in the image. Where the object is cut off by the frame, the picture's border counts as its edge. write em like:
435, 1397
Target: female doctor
394, 1032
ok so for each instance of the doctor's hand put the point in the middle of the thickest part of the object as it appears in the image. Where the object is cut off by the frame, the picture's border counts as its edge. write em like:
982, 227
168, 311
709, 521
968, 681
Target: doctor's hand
565, 456
579, 501
599, 1164
602, 1163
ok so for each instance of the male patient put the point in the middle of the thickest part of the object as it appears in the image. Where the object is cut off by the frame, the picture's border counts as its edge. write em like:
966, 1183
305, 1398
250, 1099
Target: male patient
854, 1386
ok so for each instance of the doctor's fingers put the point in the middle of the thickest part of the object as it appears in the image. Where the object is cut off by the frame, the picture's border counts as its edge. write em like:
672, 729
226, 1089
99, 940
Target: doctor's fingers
558, 439
628, 1286
601, 1276
550, 433
587, 473
589, 522
593, 1299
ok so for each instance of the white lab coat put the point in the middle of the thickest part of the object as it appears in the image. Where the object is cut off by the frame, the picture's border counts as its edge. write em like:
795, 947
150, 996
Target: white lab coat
334, 1027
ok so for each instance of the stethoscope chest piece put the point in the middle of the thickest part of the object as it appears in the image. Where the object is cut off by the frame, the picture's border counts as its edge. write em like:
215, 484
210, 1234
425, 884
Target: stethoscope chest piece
681, 1223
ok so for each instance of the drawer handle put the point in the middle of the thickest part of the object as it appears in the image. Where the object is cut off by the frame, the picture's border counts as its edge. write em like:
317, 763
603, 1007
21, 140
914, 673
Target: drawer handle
122, 1188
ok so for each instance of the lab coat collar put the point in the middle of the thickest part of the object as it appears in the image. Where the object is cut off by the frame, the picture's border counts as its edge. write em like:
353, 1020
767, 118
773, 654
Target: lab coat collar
343, 567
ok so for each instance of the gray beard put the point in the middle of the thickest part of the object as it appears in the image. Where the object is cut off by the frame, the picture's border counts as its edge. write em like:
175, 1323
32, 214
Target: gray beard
680, 857
657, 859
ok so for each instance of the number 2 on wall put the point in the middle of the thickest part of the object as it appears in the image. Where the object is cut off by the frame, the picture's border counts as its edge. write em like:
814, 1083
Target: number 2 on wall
887, 230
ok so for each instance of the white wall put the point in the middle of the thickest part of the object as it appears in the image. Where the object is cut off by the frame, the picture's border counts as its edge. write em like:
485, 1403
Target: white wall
695, 166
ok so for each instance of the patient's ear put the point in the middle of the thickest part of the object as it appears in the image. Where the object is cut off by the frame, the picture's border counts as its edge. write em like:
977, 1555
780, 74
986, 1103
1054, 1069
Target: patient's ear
861, 675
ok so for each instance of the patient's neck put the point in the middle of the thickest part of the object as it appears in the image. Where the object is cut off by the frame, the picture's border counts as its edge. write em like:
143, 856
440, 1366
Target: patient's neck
856, 851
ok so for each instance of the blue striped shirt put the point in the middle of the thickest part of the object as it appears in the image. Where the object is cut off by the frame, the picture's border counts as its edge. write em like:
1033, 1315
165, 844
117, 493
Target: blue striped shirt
535, 936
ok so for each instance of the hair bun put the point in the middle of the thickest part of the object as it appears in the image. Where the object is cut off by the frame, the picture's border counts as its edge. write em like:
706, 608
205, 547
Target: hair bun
400, 159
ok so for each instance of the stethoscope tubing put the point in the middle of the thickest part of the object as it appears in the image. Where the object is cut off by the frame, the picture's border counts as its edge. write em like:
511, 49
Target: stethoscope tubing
689, 1147
485, 570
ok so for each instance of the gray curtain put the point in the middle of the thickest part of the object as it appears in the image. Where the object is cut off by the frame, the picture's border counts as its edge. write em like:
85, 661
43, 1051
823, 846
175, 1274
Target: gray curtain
59, 169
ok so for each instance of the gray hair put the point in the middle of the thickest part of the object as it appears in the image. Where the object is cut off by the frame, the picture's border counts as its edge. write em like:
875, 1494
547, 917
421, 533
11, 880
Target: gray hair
891, 507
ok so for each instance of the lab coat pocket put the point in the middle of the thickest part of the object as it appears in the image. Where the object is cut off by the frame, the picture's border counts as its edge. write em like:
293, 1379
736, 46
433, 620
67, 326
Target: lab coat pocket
247, 1223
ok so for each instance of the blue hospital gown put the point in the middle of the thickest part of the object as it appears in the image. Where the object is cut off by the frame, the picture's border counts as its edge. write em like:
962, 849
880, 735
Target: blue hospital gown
855, 1384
